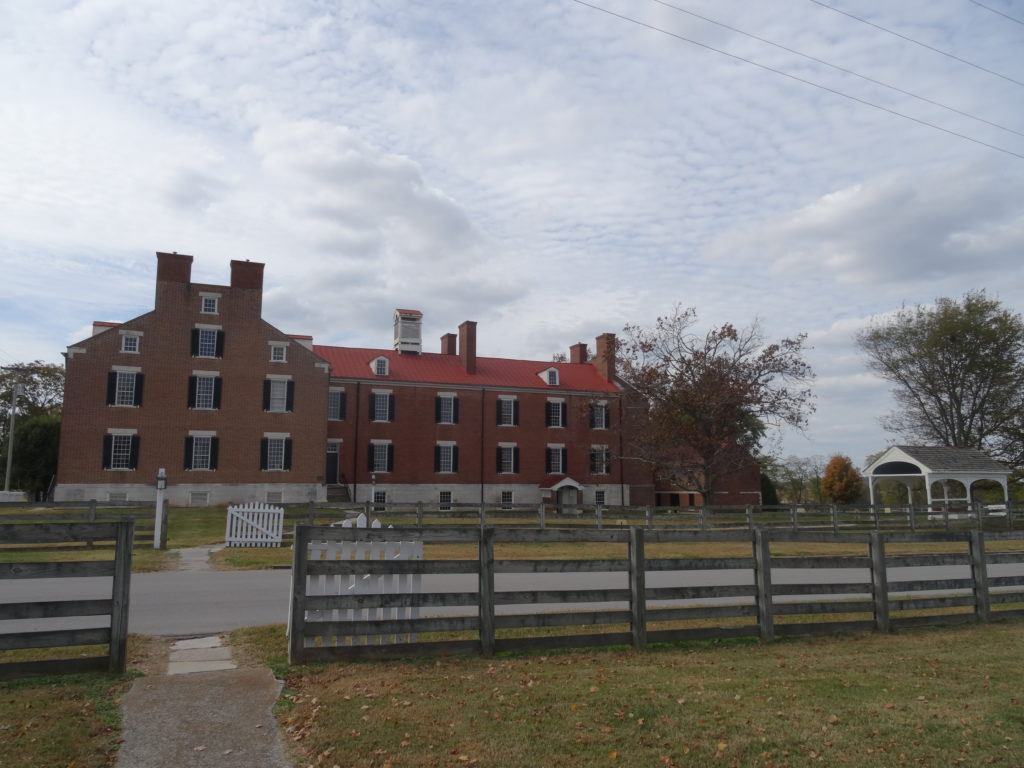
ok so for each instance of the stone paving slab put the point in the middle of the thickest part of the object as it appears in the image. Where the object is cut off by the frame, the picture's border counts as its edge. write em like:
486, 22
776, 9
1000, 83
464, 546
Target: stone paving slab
190, 667
198, 642
202, 654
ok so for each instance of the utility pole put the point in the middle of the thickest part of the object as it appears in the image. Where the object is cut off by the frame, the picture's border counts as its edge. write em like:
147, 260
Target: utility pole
15, 391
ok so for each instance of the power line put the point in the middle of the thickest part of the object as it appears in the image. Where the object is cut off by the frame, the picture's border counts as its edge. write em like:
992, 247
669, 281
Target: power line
988, 8
918, 42
838, 68
800, 79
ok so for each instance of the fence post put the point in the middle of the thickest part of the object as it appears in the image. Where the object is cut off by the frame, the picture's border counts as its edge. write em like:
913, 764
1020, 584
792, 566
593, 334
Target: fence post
879, 581
163, 523
599, 514
92, 510
310, 513
794, 518
637, 588
649, 515
297, 623
120, 593
763, 582
979, 575
702, 517
419, 514
750, 518
913, 521
486, 608
541, 520
835, 519
483, 516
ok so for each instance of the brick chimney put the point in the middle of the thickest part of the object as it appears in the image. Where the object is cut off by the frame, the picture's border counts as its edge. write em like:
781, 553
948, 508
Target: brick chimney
247, 274
467, 345
173, 275
578, 353
448, 344
604, 357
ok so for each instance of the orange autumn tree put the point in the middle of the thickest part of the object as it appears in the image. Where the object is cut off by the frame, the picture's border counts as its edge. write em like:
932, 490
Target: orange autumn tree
841, 483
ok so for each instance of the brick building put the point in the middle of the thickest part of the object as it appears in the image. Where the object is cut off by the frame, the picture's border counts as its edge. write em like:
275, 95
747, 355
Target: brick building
236, 410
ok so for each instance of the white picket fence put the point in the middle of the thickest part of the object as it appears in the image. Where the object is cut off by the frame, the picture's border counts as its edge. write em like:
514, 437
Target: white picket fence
254, 525
386, 584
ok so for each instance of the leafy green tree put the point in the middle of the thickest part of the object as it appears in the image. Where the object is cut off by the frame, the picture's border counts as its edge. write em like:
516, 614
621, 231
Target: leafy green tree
798, 479
705, 401
35, 453
40, 395
769, 496
958, 371
841, 483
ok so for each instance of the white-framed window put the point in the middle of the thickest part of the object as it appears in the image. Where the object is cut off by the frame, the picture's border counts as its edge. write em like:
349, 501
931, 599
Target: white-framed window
278, 402
199, 498
508, 411
382, 406
555, 413
335, 404
599, 416
380, 500
446, 457
201, 452
121, 452
275, 453
380, 366
444, 501
508, 458
600, 460
553, 377
130, 342
278, 353
205, 386
124, 393
209, 303
599, 497
507, 499
446, 408
382, 456
207, 346
555, 459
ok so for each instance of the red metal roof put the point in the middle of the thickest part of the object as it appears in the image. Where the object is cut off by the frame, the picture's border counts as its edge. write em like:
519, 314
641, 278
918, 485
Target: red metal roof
433, 368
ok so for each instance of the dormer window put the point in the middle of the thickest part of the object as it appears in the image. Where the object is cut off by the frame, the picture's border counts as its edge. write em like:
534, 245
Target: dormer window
278, 352
549, 377
380, 366
130, 341
209, 303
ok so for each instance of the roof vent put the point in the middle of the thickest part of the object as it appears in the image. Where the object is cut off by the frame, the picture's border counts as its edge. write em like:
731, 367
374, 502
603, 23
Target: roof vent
408, 331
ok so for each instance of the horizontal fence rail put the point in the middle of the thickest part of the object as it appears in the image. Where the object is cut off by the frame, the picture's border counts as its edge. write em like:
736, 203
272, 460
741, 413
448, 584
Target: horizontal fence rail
494, 604
118, 535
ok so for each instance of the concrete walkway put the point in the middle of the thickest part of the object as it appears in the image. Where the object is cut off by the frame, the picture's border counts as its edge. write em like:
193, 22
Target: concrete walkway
203, 710
196, 558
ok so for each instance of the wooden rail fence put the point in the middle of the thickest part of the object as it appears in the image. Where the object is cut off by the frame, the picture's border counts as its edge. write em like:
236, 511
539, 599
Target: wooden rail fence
640, 599
144, 518
114, 635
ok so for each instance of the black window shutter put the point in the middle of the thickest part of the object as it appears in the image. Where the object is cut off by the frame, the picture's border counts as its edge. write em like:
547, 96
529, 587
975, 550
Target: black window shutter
497, 418
371, 411
220, 344
547, 414
455, 458
216, 392
515, 413
342, 406
565, 461
369, 458
192, 384
138, 389
108, 450
455, 410
593, 462
264, 449
547, 460
266, 396
607, 417
133, 459
391, 457
437, 409
111, 387
498, 460
391, 407
188, 452
515, 459
195, 342
290, 397
214, 446
288, 453
437, 458
564, 408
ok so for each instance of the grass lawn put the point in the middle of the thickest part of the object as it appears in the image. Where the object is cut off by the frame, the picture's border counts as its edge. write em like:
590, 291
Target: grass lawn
68, 720
941, 697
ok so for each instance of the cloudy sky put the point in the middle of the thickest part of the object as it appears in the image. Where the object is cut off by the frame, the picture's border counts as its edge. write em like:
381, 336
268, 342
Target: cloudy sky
546, 168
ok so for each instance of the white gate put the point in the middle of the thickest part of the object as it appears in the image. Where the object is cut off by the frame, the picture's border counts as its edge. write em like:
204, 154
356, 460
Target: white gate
254, 525
356, 584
